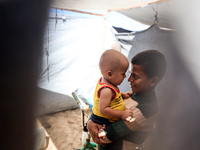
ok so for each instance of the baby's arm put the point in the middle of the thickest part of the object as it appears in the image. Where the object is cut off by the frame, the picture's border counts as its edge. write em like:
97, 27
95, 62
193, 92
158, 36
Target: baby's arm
106, 95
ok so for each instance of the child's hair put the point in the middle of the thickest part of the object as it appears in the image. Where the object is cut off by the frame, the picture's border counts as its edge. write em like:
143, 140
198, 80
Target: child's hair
152, 62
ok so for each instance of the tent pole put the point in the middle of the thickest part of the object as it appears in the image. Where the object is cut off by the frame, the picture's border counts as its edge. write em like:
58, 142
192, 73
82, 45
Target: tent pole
78, 11
137, 6
103, 34
104, 29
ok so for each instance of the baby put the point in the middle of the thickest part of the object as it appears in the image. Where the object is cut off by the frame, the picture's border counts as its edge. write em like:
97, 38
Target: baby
108, 104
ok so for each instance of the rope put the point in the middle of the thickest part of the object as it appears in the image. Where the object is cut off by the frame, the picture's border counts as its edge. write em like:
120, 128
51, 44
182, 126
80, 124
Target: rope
47, 53
156, 15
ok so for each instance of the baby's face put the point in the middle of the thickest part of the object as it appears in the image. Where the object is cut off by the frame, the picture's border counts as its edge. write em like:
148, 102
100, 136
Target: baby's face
119, 75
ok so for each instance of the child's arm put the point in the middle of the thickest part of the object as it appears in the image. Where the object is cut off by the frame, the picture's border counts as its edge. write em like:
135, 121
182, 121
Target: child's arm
127, 94
106, 95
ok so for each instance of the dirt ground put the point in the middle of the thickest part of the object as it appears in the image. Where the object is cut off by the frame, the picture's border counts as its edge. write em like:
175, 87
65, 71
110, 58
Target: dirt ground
64, 128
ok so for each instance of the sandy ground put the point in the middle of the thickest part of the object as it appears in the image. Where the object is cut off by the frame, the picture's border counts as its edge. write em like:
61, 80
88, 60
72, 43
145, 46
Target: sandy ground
64, 129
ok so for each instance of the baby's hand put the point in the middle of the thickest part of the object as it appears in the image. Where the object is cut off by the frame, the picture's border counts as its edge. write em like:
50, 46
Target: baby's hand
126, 95
127, 115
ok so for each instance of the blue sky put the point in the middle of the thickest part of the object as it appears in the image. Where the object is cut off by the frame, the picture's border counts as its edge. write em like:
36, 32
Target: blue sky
116, 19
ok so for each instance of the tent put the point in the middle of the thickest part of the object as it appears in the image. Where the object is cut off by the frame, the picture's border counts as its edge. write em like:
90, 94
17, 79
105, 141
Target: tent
87, 36
72, 48
90, 35
104, 4
144, 11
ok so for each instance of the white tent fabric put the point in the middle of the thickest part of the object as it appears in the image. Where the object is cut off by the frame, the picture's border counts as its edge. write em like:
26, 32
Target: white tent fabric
101, 4
72, 48
147, 15
143, 11
152, 38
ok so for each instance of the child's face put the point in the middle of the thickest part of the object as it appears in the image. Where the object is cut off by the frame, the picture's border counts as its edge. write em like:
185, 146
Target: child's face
119, 75
139, 81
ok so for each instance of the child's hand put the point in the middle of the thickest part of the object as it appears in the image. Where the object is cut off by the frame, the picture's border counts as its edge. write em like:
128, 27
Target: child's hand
102, 134
130, 119
102, 137
127, 94
127, 115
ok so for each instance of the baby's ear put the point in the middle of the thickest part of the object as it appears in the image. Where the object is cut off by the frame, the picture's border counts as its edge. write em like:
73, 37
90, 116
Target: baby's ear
109, 73
154, 81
